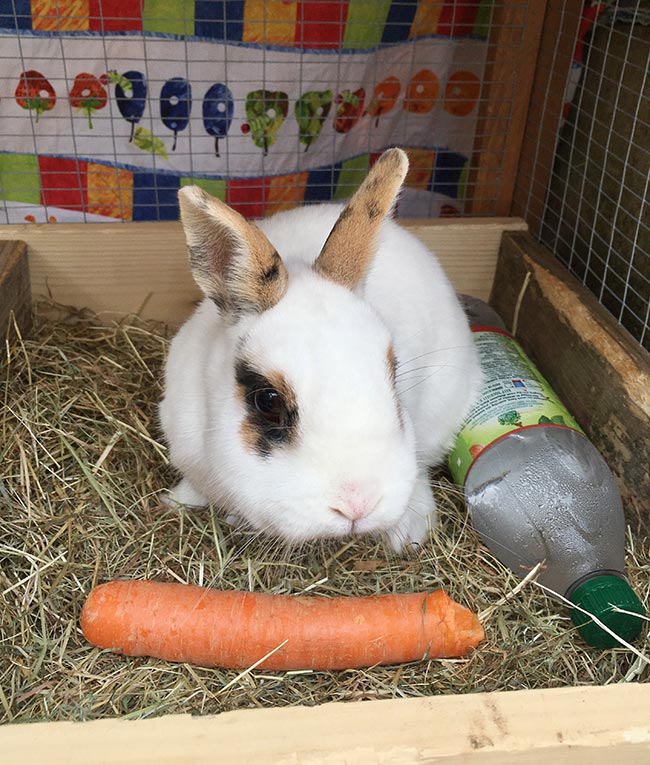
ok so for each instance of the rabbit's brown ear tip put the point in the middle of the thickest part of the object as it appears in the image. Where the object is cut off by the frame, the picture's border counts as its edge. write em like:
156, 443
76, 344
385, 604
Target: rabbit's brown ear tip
397, 157
192, 194
192, 198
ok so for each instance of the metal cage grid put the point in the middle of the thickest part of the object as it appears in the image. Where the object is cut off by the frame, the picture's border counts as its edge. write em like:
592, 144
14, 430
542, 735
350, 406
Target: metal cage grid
74, 146
249, 47
591, 210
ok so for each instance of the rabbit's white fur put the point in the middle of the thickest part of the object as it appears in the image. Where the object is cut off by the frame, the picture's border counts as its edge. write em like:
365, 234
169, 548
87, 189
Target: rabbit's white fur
331, 346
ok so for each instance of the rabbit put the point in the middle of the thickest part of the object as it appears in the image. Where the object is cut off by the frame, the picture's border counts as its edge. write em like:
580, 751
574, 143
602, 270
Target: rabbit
328, 367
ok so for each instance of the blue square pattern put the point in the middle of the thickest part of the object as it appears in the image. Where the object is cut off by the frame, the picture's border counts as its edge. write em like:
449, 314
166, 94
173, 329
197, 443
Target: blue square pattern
446, 174
219, 19
15, 14
399, 20
321, 183
155, 196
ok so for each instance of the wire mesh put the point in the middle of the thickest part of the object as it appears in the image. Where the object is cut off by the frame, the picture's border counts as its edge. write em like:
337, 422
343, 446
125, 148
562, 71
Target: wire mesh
583, 180
107, 107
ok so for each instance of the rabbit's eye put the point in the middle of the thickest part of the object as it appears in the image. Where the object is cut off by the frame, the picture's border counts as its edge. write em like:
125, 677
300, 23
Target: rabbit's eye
271, 409
270, 404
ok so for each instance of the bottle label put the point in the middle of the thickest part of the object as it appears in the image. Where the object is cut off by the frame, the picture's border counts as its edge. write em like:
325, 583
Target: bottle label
514, 396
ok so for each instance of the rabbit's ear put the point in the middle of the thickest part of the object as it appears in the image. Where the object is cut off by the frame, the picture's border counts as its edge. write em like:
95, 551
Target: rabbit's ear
352, 243
231, 260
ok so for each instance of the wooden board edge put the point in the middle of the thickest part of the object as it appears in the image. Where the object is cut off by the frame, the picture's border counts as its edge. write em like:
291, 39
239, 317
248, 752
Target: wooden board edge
142, 268
599, 371
502, 223
15, 290
563, 726
8, 230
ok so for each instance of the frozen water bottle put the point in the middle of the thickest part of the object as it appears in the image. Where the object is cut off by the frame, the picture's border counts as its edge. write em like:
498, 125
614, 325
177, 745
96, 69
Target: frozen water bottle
537, 489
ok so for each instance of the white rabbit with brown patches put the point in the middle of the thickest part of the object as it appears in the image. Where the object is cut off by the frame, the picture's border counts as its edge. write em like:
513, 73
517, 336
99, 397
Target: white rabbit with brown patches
328, 368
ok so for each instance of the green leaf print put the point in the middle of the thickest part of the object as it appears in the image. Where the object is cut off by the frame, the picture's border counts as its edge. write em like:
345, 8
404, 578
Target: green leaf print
146, 141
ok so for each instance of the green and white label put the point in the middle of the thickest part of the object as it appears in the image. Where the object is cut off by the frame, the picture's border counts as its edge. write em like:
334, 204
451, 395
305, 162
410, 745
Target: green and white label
514, 396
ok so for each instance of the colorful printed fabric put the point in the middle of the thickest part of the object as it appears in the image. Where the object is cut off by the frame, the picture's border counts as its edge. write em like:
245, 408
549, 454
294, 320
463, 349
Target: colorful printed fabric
335, 24
110, 106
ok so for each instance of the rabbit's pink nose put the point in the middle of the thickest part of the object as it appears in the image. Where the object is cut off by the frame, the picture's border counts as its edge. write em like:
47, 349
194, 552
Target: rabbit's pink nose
353, 503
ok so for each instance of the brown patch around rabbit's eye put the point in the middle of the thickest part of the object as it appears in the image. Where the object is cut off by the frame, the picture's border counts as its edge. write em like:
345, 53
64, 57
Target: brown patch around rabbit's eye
249, 436
271, 410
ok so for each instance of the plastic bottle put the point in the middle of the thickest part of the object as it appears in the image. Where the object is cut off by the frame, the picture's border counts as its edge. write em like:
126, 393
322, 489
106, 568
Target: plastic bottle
537, 490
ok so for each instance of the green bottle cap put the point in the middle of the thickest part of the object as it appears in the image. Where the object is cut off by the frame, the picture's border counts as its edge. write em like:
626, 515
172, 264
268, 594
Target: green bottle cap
597, 596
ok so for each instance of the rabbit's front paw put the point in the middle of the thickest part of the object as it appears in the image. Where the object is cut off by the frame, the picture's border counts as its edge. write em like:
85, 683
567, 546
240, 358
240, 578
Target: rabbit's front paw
184, 494
412, 529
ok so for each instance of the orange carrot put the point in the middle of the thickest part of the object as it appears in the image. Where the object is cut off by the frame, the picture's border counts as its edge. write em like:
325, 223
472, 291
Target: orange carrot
179, 622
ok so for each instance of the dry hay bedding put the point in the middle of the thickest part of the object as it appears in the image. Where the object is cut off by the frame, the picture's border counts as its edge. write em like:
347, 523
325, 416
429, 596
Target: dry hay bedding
82, 468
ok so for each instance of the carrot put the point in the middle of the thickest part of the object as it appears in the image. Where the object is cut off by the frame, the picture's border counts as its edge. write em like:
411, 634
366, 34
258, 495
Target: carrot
184, 623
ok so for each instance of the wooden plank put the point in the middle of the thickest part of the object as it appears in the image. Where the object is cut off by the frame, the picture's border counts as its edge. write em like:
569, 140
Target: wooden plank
509, 74
600, 372
117, 269
563, 726
466, 247
15, 290
546, 103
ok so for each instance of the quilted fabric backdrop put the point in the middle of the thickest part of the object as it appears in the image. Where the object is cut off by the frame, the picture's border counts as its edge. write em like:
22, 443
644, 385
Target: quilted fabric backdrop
108, 107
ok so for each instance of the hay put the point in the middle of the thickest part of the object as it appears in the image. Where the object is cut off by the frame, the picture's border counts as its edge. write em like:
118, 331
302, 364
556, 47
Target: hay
82, 466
